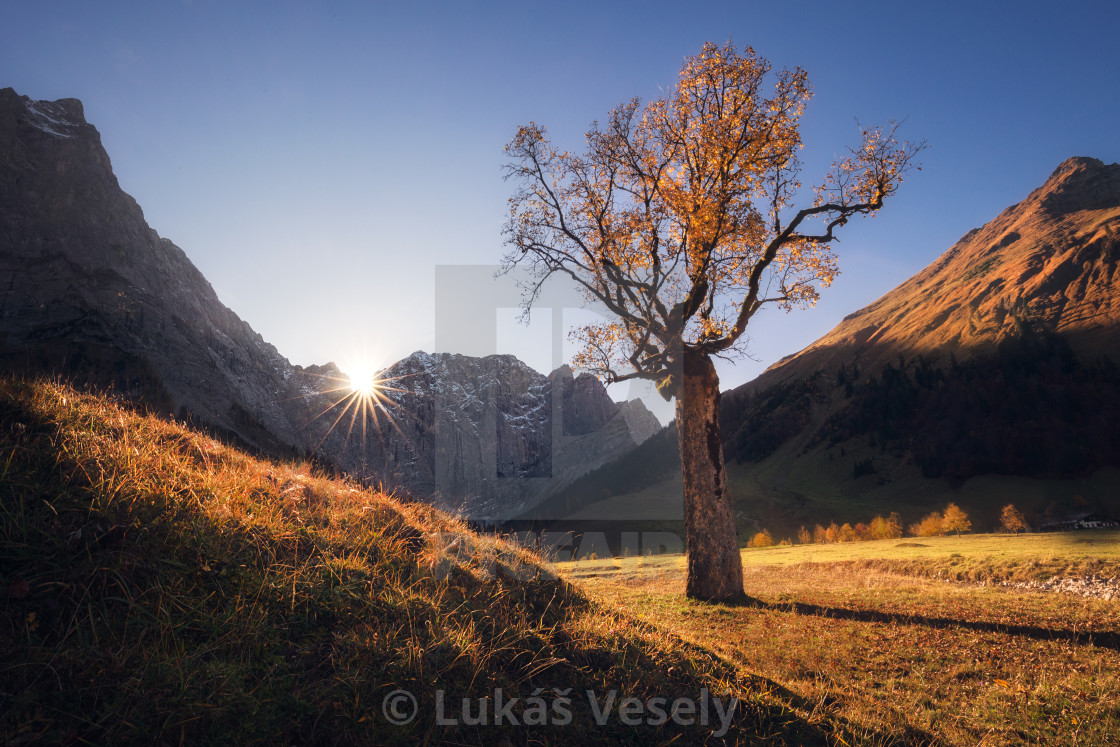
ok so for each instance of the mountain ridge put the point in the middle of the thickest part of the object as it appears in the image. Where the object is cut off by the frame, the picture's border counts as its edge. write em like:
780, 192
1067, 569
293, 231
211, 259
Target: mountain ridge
93, 293
1075, 213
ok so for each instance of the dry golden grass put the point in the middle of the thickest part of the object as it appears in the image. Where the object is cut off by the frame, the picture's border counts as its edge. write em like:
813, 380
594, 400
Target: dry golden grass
157, 586
853, 640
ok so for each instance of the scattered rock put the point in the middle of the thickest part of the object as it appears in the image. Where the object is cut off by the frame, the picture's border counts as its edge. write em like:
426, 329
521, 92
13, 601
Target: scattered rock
1093, 587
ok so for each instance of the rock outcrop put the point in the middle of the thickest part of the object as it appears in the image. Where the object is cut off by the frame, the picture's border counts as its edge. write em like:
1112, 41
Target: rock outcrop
90, 291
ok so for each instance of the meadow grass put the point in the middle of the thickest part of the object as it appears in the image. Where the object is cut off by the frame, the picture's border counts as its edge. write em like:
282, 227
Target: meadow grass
872, 633
968, 557
158, 586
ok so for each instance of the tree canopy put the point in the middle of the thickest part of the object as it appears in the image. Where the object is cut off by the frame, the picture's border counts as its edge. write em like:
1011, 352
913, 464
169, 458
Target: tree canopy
679, 217
955, 520
1012, 519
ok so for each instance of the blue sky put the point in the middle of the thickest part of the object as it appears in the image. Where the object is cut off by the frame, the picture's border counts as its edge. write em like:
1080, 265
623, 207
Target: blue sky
317, 161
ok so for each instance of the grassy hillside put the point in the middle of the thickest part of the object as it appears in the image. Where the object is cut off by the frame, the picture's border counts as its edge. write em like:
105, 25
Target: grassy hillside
158, 586
871, 633
1028, 424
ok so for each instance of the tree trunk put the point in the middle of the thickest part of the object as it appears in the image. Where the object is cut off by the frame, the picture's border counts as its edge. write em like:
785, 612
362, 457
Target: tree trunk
715, 569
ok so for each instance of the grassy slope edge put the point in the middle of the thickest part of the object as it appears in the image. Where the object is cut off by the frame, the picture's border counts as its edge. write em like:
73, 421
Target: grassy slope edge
158, 586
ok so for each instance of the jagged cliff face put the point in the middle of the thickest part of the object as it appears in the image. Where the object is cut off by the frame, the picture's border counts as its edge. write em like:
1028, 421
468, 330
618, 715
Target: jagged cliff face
1050, 261
489, 436
89, 290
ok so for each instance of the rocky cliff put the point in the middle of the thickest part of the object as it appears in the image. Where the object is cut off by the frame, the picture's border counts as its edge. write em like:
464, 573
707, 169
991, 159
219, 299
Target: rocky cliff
489, 437
89, 291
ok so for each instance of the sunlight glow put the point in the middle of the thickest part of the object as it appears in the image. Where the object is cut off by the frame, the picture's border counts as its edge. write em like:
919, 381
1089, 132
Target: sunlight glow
363, 379
359, 401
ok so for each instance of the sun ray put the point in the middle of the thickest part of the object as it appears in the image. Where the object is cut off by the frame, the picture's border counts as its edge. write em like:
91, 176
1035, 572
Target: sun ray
327, 409
332, 426
350, 428
367, 395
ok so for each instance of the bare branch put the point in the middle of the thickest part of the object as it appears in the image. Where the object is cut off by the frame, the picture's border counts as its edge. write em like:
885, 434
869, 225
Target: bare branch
675, 218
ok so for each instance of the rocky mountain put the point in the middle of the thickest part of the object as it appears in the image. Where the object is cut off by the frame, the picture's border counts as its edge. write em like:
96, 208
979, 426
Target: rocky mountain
1000, 358
90, 292
1050, 261
1022, 304
489, 437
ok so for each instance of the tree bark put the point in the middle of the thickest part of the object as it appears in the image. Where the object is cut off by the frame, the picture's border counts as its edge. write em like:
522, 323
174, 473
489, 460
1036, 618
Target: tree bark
715, 568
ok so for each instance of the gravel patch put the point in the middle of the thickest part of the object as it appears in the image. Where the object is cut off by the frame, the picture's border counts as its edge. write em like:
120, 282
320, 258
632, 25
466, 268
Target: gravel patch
1093, 587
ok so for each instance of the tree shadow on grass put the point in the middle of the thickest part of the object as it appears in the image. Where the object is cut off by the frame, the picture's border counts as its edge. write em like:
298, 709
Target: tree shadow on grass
1103, 639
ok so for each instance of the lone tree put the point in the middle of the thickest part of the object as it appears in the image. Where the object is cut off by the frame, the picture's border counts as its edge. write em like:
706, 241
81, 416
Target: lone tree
955, 520
1012, 519
679, 218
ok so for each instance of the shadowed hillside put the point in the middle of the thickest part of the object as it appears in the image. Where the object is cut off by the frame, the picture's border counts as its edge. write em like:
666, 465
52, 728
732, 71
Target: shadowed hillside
160, 587
1028, 408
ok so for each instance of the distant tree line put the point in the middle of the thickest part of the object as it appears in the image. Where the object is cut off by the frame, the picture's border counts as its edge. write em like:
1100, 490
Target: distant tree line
1032, 408
755, 425
953, 520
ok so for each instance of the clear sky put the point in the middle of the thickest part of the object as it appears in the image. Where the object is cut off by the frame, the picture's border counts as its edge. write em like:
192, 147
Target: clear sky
318, 160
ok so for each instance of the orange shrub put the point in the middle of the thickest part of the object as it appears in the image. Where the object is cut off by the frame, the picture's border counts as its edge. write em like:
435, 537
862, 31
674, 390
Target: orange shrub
762, 539
929, 526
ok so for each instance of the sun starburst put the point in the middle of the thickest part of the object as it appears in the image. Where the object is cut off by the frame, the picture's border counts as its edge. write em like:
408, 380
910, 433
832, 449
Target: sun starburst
364, 380
359, 397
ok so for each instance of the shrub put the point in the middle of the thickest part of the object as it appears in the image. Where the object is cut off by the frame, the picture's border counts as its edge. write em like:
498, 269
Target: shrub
890, 528
762, 539
929, 526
